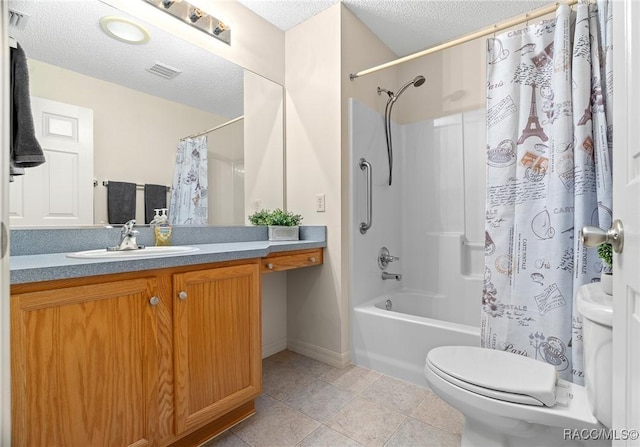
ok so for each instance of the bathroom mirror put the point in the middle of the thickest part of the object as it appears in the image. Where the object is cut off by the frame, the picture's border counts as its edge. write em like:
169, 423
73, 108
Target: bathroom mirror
144, 98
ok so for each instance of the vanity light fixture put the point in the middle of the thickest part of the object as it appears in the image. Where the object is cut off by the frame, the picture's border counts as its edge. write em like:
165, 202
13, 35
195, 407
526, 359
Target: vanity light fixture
195, 14
195, 17
124, 30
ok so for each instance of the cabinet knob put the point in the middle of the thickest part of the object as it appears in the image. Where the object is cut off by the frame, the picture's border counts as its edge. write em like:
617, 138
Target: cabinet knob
154, 300
182, 295
270, 266
312, 259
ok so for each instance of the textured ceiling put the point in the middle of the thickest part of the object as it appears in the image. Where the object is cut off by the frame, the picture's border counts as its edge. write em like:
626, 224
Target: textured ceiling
405, 26
68, 34
286, 14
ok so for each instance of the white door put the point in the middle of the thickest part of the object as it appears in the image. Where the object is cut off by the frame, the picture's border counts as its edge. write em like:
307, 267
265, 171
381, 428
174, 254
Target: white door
626, 205
60, 191
5, 358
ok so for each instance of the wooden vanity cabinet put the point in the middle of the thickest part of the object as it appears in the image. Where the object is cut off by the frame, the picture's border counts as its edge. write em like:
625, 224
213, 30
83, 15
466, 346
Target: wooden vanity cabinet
84, 365
217, 342
152, 358
171, 357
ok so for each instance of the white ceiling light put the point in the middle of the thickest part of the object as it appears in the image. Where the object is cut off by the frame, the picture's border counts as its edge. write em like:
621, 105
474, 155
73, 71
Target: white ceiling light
124, 30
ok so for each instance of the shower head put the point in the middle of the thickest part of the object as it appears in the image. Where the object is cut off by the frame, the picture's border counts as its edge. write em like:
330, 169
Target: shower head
416, 82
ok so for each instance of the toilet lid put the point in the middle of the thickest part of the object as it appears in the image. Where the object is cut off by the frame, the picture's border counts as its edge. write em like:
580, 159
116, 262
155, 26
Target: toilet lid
496, 374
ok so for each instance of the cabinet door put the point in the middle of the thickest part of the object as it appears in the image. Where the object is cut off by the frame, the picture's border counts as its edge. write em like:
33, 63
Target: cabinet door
216, 341
85, 365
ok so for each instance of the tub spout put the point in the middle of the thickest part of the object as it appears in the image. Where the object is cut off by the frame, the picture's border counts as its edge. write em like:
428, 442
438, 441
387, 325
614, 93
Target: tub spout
396, 276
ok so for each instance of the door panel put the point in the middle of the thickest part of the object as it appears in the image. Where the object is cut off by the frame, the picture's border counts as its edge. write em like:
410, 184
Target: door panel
60, 191
626, 205
217, 342
84, 363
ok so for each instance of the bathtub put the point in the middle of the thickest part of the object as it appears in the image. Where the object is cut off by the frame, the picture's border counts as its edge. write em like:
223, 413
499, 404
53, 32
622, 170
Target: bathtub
396, 341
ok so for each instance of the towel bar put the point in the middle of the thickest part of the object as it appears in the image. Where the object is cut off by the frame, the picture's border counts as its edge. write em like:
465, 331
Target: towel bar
138, 185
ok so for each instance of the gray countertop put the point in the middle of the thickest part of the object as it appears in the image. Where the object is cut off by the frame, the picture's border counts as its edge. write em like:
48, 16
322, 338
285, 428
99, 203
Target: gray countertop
30, 268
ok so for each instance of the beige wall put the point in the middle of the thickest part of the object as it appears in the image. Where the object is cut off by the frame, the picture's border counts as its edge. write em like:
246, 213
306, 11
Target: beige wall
256, 44
320, 54
135, 134
362, 49
226, 184
264, 143
455, 82
316, 313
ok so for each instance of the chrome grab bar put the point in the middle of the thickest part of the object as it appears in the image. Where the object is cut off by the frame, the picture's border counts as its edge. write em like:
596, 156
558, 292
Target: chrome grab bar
364, 226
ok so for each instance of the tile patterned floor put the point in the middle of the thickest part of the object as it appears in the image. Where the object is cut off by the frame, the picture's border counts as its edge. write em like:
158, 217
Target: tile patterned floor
308, 403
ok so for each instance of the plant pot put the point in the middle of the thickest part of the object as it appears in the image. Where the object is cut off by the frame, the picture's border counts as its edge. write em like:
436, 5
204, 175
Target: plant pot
606, 279
278, 233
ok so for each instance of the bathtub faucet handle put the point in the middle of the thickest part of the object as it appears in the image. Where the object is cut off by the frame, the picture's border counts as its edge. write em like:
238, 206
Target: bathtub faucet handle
384, 258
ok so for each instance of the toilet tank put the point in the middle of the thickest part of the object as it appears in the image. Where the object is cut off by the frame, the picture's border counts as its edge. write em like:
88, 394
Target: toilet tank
596, 309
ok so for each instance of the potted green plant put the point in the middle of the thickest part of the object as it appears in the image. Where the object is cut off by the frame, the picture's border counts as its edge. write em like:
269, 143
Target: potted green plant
605, 253
283, 225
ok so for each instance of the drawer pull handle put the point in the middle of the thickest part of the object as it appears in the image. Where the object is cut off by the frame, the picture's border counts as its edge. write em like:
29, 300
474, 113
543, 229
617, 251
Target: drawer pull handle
270, 266
154, 300
312, 259
182, 295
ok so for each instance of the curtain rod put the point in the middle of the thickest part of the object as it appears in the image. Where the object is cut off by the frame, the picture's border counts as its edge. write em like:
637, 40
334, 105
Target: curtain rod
220, 126
481, 33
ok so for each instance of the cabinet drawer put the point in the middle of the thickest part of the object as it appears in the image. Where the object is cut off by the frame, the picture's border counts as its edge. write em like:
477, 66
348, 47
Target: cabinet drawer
292, 260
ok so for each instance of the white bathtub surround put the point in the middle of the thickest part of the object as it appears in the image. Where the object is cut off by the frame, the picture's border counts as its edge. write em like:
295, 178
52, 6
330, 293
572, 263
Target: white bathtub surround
432, 218
396, 342
549, 174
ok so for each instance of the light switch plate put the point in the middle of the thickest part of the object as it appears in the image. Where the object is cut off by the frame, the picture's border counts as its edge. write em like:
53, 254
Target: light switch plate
320, 203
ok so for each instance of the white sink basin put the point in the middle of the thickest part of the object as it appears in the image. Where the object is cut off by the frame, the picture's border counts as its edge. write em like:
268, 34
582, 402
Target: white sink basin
148, 252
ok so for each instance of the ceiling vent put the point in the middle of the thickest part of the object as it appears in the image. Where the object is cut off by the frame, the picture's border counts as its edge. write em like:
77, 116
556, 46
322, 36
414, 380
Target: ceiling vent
164, 71
18, 19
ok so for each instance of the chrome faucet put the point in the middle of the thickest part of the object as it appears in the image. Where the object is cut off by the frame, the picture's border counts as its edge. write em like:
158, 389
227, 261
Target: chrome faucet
127, 238
396, 276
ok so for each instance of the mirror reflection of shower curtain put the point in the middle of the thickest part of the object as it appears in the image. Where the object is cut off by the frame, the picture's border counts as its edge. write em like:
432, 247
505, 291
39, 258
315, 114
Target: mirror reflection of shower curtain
188, 205
549, 173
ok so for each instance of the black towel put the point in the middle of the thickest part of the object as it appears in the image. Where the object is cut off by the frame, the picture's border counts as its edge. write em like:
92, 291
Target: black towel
121, 202
155, 196
25, 151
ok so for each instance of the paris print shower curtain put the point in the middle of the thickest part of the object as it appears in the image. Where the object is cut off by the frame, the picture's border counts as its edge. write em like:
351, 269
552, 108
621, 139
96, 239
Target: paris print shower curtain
549, 174
188, 205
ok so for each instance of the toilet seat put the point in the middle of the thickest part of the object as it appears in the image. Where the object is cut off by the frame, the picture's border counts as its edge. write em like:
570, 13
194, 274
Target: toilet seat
496, 374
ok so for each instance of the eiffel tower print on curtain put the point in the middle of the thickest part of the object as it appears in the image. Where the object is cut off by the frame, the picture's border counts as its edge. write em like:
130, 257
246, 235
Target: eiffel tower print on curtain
533, 127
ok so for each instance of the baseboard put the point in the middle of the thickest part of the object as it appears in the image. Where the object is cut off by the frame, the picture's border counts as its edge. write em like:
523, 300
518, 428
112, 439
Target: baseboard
319, 353
274, 347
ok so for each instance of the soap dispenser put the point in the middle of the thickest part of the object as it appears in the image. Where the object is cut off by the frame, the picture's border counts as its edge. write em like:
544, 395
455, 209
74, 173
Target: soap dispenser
162, 229
156, 217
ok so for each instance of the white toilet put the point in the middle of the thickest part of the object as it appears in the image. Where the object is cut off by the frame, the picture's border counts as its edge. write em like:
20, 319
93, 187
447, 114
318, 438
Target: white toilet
511, 400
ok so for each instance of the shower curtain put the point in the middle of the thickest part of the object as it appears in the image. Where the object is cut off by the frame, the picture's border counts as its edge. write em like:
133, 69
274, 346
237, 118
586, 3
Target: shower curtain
188, 203
549, 174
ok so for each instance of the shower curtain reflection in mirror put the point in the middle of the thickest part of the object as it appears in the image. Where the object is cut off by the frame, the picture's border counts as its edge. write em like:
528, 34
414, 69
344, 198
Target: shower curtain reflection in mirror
189, 193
